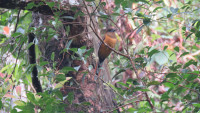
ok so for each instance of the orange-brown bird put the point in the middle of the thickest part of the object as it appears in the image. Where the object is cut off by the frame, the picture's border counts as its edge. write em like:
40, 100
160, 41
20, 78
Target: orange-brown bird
110, 39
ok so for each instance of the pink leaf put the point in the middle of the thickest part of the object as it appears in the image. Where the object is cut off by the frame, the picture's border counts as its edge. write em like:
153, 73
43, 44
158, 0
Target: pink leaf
9, 95
18, 90
1, 75
8, 78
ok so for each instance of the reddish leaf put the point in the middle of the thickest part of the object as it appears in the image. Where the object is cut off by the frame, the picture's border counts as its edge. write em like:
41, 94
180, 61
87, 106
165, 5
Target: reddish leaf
1, 75
6, 30
18, 90
9, 95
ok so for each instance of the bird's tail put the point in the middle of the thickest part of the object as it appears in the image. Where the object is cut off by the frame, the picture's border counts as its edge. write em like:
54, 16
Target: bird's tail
98, 68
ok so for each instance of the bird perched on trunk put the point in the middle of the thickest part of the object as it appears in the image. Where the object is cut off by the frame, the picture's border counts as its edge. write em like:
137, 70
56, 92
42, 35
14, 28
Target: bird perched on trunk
104, 51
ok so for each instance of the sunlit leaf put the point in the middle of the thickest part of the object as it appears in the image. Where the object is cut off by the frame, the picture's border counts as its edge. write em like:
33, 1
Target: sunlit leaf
20, 103
61, 84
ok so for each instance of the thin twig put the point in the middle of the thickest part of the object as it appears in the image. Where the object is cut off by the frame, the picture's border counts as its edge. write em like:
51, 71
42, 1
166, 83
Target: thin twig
21, 44
18, 15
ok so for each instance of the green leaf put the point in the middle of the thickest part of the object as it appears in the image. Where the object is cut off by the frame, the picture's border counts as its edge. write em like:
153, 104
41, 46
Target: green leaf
31, 97
152, 52
187, 97
168, 84
52, 56
184, 28
180, 90
16, 34
158, 2
129, 81
196, 105
14, 111
188, 36
171, 30
50, 4
169, 15
140, 89
67, 69
43, 63
30, 5
30, 44
185, 53
146, 21
83, 78
157, 9
104, 16
155, 36
197, 34
60, 77
176, 49
165, 47
58, 93
20, 103
67, 32
70, 97
89, 52
74, 49
68, 44
61, 84
171, 75
121, 83
131, 110
1, 104
79, 13
197, 25
153, 83
191, 77
190, 63
165, 96
86, 103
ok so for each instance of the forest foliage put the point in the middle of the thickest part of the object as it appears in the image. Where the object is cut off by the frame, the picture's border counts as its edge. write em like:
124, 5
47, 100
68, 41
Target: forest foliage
155, 66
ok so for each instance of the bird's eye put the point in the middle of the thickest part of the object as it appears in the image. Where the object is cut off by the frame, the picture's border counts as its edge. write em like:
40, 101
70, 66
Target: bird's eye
111, 30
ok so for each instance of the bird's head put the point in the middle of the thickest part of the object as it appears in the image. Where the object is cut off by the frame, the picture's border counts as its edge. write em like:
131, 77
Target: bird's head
111, 30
